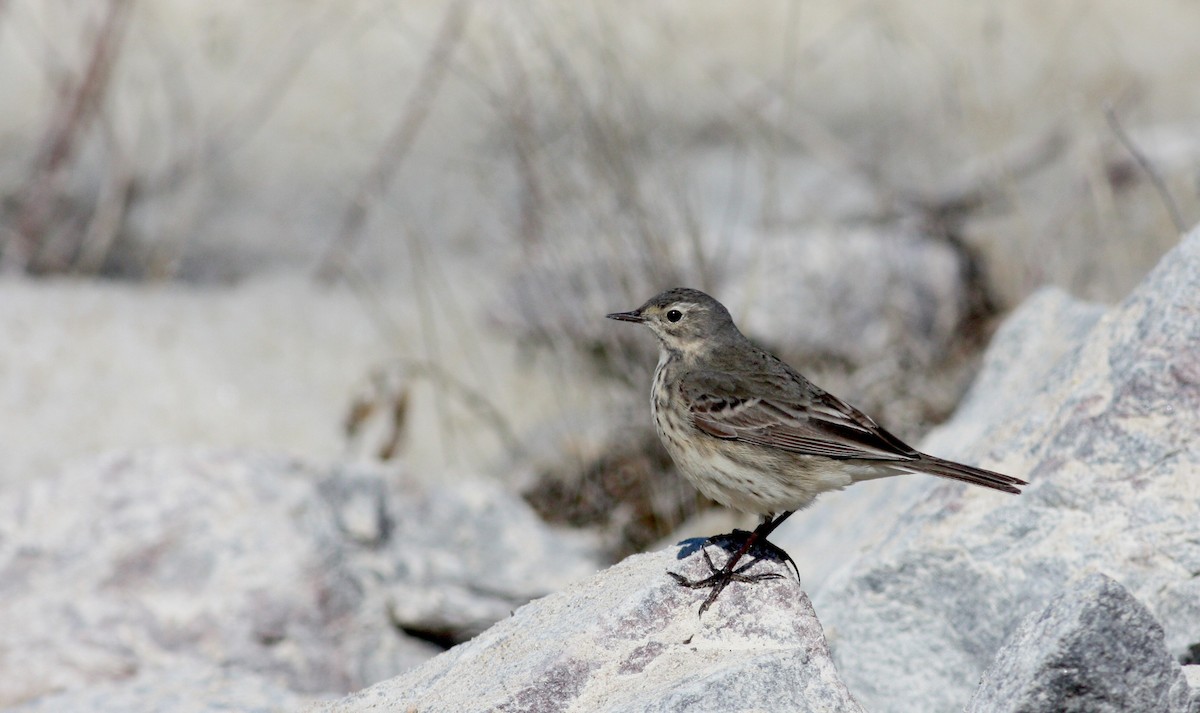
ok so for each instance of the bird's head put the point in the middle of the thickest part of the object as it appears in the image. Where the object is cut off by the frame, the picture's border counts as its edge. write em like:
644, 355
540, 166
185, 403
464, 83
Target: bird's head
684, 320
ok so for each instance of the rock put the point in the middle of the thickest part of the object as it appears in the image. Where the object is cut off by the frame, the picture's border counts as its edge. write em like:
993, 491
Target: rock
629, 639
97, 366
1108, 442
1025, 349
884, 317
138, 560
256, 563
468, 553
195, 688
1093, 649
841, 525
1191, 677
855, 295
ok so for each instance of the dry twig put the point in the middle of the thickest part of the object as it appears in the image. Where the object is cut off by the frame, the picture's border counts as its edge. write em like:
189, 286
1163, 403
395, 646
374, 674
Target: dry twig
398, 144
1156, 180
68, 124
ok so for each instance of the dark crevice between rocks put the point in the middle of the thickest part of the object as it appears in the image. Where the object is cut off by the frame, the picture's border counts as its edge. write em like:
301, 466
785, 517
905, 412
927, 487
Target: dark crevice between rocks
442, 638
1192, 657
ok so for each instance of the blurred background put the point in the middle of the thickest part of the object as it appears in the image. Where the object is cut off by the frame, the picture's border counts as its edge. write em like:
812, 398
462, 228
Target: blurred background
358, 229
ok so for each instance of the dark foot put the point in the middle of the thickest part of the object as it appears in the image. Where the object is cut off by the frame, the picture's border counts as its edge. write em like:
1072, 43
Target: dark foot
759, 546
720, 578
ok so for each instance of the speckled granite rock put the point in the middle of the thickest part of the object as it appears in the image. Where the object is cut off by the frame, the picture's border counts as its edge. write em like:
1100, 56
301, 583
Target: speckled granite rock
196, 687
1093, 649
1109, 441
630, 639
257, 563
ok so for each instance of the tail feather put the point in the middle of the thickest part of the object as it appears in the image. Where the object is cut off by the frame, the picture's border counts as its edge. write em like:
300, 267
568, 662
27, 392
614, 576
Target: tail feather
965, 473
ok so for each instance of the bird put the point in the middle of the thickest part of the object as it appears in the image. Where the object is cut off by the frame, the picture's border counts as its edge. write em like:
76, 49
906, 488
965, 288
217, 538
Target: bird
753, 434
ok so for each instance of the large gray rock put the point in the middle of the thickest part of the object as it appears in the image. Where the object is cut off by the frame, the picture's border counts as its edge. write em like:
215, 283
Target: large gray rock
1094, 649
629, 639
197, 687
257, 563
1109, 443
91, 366
842, 525
858, 295
1025, 350
462, 556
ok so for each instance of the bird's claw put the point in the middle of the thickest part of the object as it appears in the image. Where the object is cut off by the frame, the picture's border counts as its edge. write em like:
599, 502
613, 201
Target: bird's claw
779, 553
719, 578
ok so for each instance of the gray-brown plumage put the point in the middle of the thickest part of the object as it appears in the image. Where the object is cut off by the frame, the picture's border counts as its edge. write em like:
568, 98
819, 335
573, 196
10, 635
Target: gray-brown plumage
752, 433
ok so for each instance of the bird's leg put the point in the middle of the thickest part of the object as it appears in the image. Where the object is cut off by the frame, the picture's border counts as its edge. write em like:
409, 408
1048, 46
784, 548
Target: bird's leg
720, 578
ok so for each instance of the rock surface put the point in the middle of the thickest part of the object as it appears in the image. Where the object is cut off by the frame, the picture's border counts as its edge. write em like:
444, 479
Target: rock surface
1094, 649
464, 555
1018, 364
629, 639
1191, 676
256, 563
842, 525
274, 363
194, 688
88, 367
861, 296
1109, 443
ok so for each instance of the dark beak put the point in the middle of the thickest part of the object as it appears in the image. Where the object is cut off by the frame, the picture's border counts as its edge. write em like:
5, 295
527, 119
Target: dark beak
634, 316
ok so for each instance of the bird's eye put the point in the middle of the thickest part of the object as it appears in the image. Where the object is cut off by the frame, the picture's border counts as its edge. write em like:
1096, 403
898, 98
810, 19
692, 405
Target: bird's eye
674, 315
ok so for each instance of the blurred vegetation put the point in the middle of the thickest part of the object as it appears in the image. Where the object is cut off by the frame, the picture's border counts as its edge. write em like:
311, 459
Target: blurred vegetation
543, 163
644, 134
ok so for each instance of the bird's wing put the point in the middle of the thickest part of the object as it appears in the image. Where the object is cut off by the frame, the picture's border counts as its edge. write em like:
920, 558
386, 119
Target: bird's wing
796, 417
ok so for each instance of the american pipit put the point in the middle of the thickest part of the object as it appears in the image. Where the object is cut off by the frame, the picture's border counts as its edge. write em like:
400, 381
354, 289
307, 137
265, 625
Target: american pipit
753, 434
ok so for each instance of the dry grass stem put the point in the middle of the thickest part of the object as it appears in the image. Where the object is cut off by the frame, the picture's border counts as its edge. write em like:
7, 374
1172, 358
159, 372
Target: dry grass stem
1160, 186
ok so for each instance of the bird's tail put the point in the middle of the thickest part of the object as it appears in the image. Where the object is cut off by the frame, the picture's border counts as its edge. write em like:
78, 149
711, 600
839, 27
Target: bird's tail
965, 473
